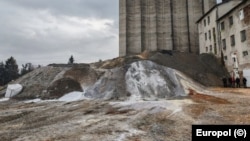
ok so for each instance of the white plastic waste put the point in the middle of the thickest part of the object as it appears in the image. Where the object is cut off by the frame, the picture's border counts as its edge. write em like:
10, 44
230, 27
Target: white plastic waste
13, 89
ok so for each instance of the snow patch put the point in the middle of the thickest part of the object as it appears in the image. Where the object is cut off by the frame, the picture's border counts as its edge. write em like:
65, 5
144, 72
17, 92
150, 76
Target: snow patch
73, 96
4, 99
70, 97
33, 101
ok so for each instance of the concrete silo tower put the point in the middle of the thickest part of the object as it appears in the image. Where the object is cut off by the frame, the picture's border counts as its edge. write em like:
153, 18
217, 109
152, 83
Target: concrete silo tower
160, 25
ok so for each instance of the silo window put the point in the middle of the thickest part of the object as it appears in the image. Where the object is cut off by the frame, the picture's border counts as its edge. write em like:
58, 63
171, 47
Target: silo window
245, 53
243, 35
215, 48
224, 44
209, 34
231, 20
241, 14
222, 26
214, 34
232, 40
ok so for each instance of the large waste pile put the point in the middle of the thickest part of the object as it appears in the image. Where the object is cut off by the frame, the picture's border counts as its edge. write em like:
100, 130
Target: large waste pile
147, 97
141, 80
148, 76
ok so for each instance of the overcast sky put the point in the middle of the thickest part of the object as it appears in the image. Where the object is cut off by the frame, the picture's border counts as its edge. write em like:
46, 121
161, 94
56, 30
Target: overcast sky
50, 31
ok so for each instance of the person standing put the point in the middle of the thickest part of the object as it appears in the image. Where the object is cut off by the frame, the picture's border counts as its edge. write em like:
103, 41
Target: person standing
233, 82
237, 82
244, 82
224, 80
230, 81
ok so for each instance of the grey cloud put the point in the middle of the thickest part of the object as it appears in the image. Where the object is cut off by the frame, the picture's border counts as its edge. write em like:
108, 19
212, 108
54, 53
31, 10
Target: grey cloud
96, 8
31, 36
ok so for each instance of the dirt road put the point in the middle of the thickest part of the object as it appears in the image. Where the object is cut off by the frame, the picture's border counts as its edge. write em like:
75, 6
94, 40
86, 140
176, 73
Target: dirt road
163, 120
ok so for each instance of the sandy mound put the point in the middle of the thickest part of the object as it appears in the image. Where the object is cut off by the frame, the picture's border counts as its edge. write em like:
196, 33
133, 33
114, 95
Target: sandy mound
142, 80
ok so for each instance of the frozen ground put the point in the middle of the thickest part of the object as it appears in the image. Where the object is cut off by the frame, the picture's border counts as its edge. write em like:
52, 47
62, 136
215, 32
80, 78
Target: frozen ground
90, 120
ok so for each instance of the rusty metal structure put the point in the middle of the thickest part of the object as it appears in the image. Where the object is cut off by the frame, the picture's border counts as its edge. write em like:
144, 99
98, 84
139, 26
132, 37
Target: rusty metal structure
160, 25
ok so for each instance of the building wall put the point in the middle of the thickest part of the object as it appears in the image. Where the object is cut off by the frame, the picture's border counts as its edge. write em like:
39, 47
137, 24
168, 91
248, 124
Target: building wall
209, 44
235, 29
122, 28
159, 24
213, 44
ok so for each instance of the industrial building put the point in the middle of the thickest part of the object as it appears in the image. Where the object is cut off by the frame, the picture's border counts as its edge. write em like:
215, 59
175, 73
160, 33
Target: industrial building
160, 25
228, 34
209, 35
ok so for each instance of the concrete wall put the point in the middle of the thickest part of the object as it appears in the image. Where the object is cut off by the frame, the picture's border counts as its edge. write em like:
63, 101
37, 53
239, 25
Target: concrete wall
160, 24
195, 11
211, 44
122, 28
133, 26
163, 18
180, 25
149, 25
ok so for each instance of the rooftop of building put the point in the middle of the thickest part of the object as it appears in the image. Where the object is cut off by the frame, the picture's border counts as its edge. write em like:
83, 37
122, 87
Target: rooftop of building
231, 4
234, 8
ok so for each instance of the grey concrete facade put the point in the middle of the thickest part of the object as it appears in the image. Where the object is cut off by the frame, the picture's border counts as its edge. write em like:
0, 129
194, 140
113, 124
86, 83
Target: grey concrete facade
160, 25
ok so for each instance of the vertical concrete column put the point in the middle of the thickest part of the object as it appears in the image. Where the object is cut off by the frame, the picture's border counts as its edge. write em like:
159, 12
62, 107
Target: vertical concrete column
180, 25
163, 24
149, 36
195, 12
160, 24
152, 24
122, 28
133, 26
144, 28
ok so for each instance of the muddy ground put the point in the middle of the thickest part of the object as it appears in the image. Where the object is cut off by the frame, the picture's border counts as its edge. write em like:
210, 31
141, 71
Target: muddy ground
162, 120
